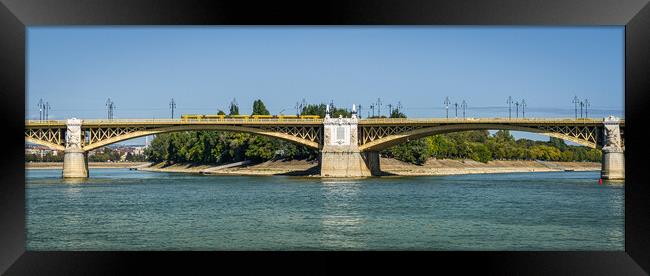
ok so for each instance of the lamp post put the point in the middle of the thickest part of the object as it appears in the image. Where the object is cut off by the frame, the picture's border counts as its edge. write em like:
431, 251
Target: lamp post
447, 102
464, 106
47, 110
576, 101
517, 110
172, 105
587, 105
40, 109
110, 105
523, 108
378, 107
456, 105
509, 102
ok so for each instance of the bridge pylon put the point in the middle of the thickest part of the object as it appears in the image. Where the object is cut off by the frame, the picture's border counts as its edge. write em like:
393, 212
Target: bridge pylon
340, 155
613, 165
75, 161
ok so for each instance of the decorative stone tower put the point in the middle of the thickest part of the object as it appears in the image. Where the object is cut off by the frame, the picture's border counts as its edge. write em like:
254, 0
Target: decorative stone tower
613, 157
340, 156
75, 163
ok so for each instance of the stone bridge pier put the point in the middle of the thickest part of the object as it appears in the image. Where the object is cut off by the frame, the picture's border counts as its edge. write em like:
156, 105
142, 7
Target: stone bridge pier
75, 161
613, 164
340, 155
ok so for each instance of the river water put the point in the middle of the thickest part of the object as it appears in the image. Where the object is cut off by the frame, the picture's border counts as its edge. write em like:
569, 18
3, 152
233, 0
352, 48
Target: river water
119, 209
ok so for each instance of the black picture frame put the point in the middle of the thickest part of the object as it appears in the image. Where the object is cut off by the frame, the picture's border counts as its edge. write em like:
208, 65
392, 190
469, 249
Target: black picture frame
16, 15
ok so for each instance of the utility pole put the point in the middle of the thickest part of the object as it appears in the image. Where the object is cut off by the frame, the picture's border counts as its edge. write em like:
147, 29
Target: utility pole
390, 110
172, 105
587, 105
378, 107
456, 104
575, 102
523, 108
372, 107
47, 110
509, 102
359, 111
582, 104
517, 110
40, 109
464, 106
110, 106
447, 102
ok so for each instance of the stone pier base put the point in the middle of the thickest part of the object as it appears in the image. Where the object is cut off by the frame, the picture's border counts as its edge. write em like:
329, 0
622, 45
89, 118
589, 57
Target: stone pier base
75, 164
349, 164
613, 165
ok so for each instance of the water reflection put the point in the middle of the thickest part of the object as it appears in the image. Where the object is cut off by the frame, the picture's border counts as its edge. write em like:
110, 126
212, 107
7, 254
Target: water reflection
341, 221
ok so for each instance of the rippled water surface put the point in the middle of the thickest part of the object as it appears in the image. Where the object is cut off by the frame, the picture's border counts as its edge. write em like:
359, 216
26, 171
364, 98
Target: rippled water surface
118, 209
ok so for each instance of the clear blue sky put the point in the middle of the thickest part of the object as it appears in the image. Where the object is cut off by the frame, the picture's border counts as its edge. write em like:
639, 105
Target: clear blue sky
76, 69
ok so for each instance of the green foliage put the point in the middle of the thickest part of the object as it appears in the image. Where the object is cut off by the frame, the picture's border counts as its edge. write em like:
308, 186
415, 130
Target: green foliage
259, 108
319, 109
104, 155
397, 114
234, 108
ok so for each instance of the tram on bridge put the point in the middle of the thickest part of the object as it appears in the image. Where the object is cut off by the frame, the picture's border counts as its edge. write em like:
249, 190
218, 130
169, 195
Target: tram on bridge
216, 116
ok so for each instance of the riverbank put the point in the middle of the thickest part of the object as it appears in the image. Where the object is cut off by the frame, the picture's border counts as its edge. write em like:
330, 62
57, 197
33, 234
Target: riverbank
388, 166
91, 165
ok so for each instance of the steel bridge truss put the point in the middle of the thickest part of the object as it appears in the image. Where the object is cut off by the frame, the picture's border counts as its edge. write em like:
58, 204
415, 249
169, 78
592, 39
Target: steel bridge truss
54, 137
589, 135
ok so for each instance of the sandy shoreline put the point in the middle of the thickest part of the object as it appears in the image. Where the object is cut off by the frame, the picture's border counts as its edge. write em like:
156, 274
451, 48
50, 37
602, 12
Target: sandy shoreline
310, 168
91, 165
388, 167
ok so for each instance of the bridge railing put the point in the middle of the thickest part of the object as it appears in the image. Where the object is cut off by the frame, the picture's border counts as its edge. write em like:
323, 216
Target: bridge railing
178, 121
478, 120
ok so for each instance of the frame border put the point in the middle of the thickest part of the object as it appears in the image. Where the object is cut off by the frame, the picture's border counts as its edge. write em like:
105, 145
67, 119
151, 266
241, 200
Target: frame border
16, 16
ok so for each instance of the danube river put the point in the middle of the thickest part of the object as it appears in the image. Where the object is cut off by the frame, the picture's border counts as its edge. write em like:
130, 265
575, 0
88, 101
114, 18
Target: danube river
119, 209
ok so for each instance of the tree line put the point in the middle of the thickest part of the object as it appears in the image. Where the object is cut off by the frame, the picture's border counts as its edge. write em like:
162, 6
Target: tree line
215, 147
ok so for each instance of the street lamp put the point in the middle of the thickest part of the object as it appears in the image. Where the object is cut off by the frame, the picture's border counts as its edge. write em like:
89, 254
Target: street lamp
509, 102
172, 105
575, 102
110, 106
517, 109
464, 106
523, 108
378, 107
456, 105
47, 110
447, 102
587, 105
40, 109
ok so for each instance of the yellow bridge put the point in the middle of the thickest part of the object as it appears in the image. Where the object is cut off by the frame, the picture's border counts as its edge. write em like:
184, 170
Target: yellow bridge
365, 135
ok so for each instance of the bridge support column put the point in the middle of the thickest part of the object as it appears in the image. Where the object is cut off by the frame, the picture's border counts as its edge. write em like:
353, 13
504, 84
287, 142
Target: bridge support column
613, 165
340, 155
75, 163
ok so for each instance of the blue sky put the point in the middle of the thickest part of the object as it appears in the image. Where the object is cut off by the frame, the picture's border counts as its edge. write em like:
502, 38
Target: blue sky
76, 69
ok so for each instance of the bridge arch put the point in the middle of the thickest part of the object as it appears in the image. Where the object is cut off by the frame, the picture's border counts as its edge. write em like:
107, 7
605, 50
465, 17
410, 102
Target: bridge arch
229, 128
391, 140
45, 143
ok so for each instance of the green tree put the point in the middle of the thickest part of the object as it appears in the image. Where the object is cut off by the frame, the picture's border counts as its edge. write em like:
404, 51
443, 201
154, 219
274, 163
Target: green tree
259, 108
234, 108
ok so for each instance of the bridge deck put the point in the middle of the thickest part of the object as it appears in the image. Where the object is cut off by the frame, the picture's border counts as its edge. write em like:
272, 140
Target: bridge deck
375, 121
